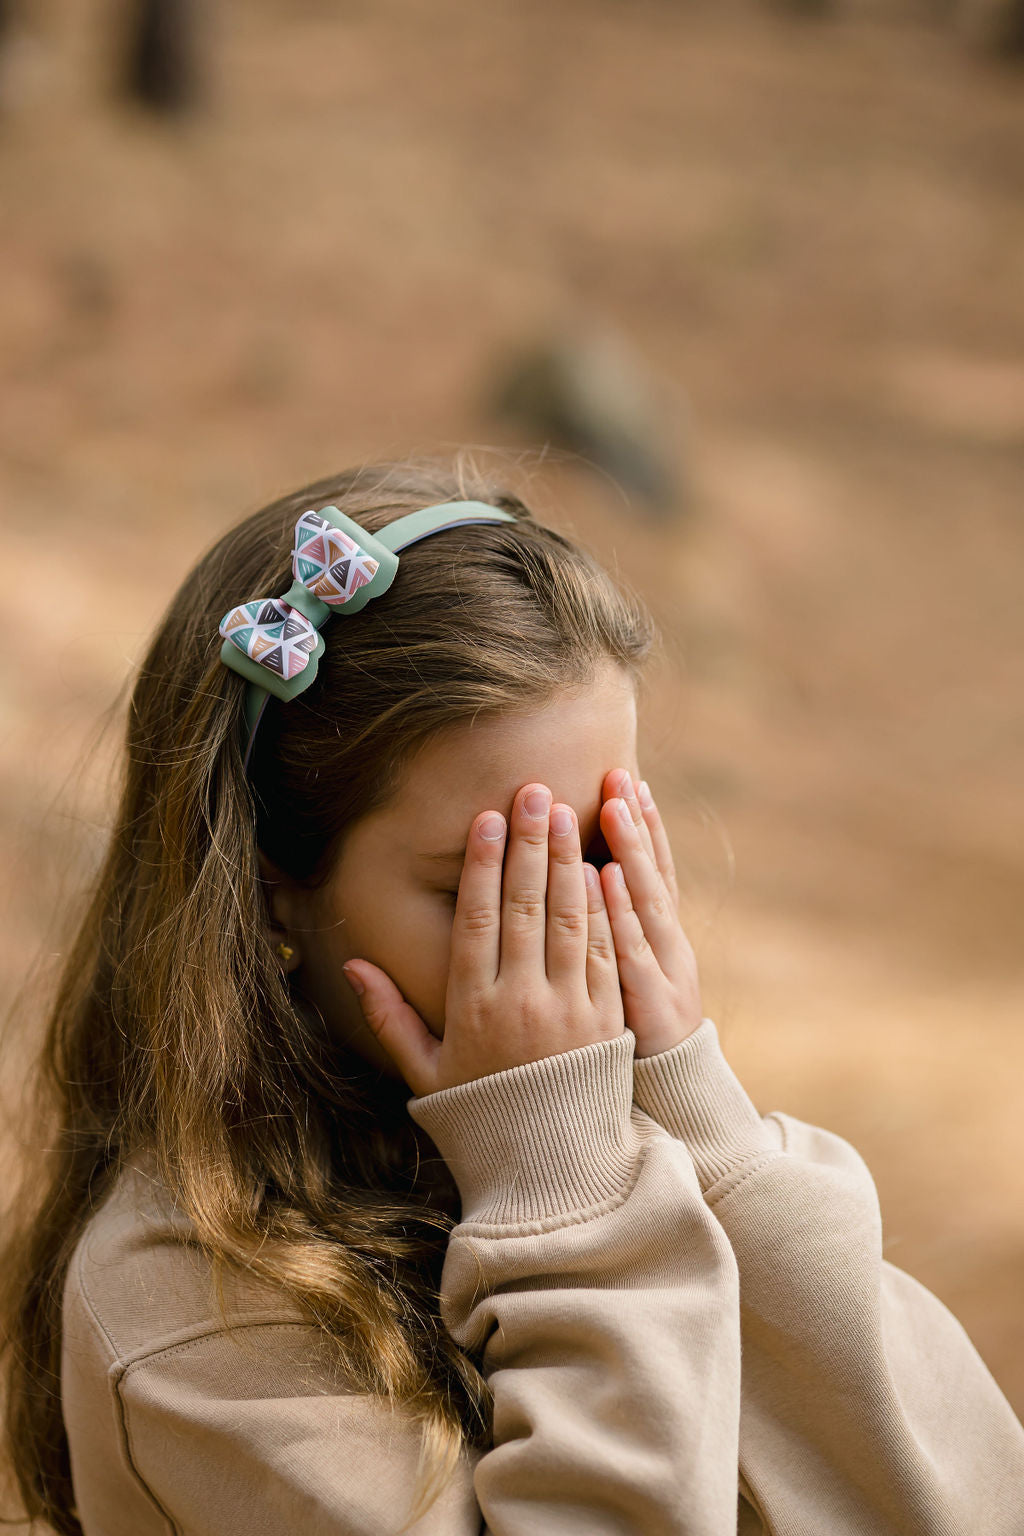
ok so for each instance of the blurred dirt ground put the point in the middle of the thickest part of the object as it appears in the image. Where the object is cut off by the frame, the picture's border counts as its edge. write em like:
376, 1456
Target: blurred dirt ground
813, 235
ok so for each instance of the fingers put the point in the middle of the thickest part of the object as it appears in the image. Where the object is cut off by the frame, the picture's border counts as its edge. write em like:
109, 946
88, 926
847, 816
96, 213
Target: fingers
566, 944
524, 887
632, 950
602, 969
662, 851
577, 946
538, 914
397, 1025
647, 892
476, 928
649, 825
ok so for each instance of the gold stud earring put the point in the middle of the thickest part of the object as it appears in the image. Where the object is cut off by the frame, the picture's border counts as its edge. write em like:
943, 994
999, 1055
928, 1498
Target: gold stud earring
285, 951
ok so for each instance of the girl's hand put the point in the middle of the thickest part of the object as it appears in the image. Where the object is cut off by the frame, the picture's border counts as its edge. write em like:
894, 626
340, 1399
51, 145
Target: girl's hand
532, 970
657, 966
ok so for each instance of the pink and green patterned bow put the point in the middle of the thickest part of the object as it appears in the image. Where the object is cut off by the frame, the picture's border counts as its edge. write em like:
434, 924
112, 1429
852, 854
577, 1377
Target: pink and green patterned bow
338, 566
280, 634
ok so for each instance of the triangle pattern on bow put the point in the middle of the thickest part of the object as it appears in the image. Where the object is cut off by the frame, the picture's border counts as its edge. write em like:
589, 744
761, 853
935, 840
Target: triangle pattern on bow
279, 637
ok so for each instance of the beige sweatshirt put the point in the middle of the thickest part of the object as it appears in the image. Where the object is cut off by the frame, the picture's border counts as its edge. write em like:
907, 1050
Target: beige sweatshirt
686, 1322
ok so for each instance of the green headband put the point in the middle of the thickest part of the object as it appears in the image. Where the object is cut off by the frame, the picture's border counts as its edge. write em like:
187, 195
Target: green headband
274, 642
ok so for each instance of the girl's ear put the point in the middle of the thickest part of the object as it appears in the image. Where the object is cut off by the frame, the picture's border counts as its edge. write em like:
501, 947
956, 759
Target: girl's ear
282, 913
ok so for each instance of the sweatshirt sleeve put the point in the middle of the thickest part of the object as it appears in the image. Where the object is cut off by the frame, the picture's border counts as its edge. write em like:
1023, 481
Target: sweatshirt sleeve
612, 1355
864, 1404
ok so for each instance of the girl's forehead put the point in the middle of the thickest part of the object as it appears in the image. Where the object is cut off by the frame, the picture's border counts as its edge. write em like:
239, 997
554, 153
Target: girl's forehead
568, 745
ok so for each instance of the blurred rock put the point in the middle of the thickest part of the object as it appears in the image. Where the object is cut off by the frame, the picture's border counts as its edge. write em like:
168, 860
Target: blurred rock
588, 392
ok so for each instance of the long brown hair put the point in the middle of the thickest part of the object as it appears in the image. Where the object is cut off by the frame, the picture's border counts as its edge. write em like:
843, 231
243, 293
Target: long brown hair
173, 1026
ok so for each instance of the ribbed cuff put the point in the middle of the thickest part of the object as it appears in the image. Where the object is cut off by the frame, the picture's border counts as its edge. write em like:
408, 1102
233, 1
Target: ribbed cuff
549, 1138
693, 1092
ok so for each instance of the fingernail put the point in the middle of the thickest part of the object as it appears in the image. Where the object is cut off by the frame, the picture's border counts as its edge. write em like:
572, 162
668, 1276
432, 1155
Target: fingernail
561, 821
624, 812
619, 876
492, 827
536, 802
644, 795
590, 874
353, 980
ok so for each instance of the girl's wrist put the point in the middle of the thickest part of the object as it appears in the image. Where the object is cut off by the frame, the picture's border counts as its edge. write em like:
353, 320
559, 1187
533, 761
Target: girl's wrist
693, 1093
549, 1138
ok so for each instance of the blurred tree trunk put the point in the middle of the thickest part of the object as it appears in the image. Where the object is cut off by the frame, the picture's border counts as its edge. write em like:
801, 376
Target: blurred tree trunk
163, 54
997, 26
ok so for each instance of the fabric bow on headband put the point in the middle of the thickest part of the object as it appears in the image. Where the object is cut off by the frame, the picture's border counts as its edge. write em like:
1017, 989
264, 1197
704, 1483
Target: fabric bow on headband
273, 642
279, 634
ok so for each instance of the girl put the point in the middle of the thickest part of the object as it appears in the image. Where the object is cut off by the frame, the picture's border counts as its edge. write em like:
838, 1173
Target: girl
478, 1238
